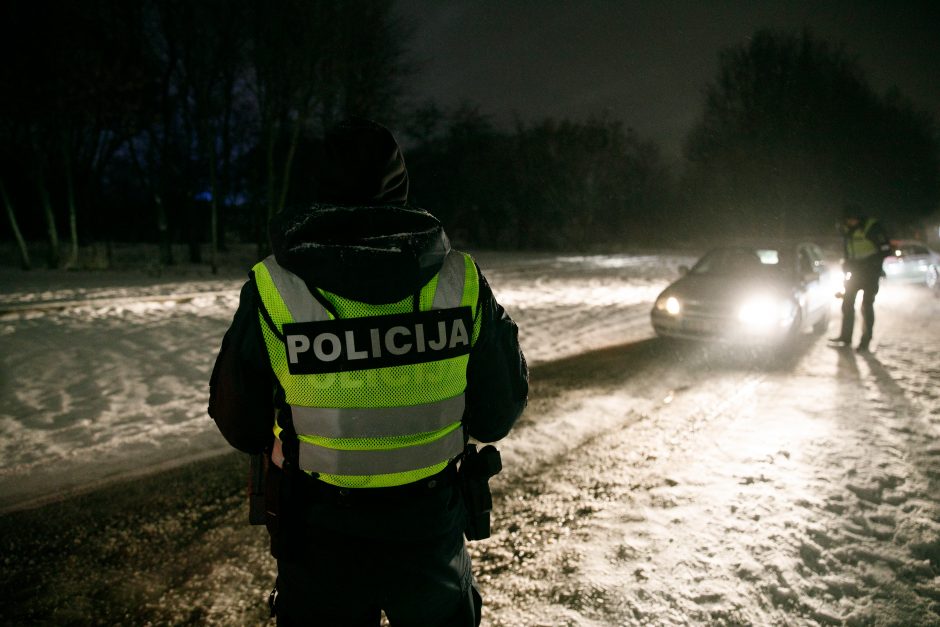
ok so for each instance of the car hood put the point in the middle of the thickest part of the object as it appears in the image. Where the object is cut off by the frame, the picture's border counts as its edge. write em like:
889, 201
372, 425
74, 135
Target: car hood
727, 288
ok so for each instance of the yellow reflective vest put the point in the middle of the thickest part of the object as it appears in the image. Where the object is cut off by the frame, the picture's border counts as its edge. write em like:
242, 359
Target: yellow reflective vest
375, 393
858, 245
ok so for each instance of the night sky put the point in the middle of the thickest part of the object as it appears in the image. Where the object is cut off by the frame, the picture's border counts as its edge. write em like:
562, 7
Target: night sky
646, 62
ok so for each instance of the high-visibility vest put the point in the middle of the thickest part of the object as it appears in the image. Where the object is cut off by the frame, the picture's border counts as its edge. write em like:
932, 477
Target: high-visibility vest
858, 246
376, 393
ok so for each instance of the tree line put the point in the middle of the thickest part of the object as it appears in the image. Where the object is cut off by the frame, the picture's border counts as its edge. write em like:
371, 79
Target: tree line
791, 131
178, 121
194, 122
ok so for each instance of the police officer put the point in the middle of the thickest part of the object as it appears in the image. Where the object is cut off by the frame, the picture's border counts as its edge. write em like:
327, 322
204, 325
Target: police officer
364, 354
865, 245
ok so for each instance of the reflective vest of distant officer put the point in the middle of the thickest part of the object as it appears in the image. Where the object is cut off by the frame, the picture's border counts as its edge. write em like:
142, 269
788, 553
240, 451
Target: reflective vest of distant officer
374, 394
866, 245
858, 244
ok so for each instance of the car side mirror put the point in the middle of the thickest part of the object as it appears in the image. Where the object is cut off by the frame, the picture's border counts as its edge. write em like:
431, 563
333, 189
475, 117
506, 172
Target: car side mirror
683, 270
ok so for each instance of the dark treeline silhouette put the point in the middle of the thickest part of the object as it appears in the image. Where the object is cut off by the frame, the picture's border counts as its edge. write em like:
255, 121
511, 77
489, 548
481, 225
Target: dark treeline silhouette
791, 131
548, 185
193, 122
178, 121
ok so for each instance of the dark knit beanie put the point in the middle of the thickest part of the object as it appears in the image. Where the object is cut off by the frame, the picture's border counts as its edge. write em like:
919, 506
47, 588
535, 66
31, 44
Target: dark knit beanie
362, 165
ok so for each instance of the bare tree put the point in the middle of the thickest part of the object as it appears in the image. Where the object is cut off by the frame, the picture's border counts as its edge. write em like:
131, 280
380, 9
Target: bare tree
69, 94
314, 62
212, 39
15, 227
791, 130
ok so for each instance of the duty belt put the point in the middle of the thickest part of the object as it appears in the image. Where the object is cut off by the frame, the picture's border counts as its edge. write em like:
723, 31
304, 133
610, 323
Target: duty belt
320, 491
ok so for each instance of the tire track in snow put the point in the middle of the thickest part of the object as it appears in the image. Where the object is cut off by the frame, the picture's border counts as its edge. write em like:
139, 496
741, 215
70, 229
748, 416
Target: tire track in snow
553, 486
800, 494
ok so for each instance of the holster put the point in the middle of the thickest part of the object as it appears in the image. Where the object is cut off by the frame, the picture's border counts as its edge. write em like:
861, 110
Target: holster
269, 498
474, 474
257, 474
280, 516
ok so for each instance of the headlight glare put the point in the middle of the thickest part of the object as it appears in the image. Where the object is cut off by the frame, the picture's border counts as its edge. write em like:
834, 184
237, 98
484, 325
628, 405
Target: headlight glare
669, 304
838, 279
766, 312
757, 312
673, 306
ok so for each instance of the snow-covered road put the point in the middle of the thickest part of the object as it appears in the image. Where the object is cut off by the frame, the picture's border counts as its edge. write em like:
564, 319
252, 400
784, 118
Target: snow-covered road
103, 376
690, 485
647, 483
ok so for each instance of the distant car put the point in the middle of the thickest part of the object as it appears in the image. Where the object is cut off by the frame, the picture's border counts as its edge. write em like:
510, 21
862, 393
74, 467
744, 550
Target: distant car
750, 295
912, 262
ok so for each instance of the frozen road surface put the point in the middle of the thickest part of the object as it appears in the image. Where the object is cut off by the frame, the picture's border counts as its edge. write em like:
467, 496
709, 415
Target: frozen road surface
675, 485
647, 483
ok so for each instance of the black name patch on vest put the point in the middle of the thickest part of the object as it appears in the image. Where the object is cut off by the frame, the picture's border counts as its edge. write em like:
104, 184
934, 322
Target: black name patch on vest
348, 344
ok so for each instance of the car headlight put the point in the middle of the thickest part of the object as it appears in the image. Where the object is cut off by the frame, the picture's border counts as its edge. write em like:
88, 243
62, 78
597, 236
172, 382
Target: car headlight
765, 312
669, 304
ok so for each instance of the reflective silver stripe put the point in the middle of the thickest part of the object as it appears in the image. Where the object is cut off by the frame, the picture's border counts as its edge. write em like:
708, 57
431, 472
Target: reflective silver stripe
450, 282
336, 462
301, 304
376, 422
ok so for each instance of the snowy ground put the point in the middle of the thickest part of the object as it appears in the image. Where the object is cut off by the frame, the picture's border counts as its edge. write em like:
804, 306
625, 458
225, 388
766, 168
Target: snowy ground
107, 374
712, 489
648, 483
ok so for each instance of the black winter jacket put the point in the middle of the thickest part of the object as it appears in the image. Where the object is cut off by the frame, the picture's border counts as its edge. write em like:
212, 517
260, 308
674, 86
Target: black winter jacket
375, 255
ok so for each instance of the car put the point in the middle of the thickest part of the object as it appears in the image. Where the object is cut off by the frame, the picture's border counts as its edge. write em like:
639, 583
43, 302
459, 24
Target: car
912, 262
757, 295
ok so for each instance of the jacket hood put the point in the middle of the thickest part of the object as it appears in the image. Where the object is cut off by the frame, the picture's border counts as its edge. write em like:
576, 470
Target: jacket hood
373, 254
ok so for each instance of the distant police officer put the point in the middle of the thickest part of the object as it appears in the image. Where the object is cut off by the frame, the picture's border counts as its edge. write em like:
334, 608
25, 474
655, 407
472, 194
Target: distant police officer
364, 354
865, 245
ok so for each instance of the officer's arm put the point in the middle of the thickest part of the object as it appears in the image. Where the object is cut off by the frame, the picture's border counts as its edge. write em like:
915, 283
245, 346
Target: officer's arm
879, 237
497, 375
240, 389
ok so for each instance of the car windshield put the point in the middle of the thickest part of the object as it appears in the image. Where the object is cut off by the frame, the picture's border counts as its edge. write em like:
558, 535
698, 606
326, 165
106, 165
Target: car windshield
738, 261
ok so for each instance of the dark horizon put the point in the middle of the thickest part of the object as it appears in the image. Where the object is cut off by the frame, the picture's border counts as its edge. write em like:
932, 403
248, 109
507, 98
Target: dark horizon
646, 63
163, 107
